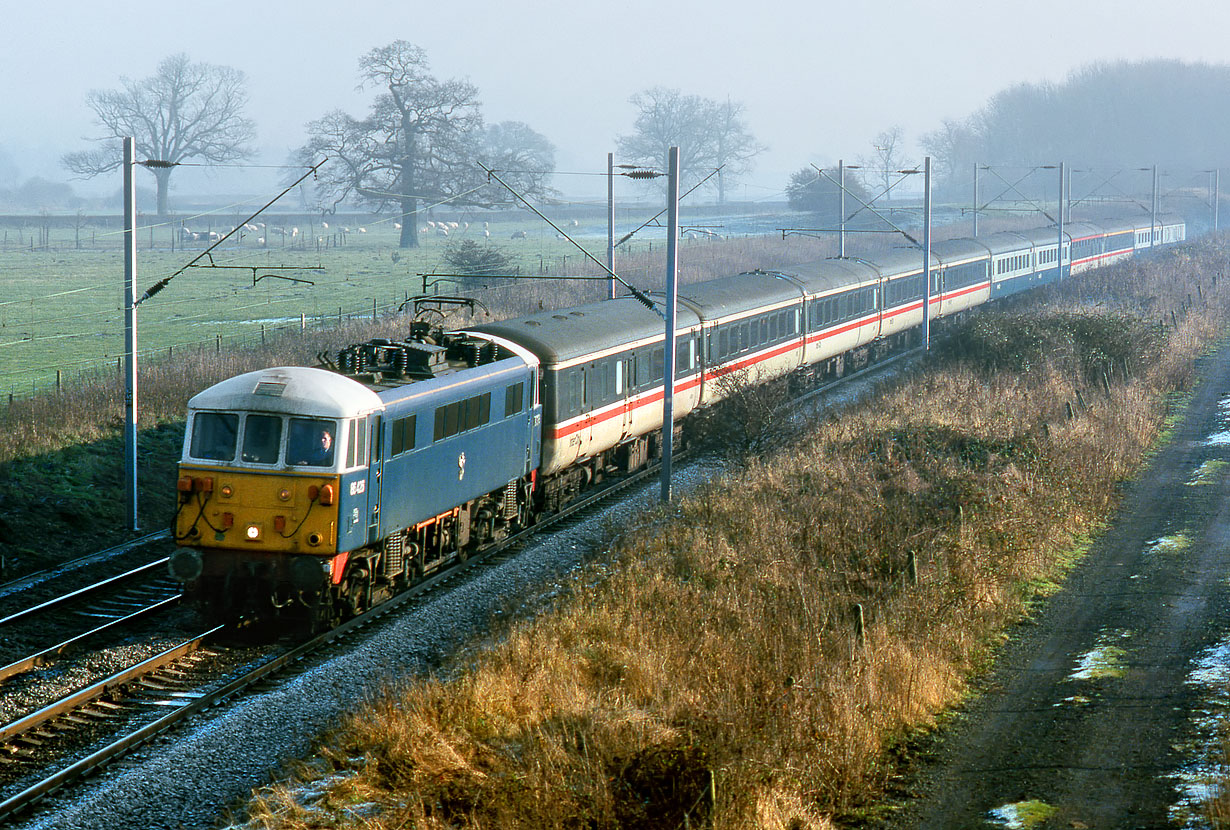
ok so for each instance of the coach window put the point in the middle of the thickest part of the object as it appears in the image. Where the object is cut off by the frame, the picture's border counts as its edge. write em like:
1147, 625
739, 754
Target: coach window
683, 362
659, 366
262, 438
213, 435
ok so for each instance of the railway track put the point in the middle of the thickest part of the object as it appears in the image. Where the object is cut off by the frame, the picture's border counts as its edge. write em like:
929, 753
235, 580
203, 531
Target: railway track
142, 701
53, 627
115, 713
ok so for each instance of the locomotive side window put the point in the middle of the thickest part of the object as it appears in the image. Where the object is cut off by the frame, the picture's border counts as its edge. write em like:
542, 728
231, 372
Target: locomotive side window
262, 438
463, 415
310, 442
514, 399
402, 439
356, 449
213, 435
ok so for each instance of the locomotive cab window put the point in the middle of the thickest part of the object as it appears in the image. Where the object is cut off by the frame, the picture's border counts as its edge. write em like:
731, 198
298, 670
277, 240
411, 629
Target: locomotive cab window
311, 442
262, 439
214, 435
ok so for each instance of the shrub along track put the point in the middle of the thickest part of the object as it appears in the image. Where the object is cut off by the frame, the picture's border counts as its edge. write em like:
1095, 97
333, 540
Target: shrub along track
1097, 748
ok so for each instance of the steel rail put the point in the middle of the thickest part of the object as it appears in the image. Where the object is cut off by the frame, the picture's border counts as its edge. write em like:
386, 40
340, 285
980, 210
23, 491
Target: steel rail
41, 658
90, 693
26, 581
97, 586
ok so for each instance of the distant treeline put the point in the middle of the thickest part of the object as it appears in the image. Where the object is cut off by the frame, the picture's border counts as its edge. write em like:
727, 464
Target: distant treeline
1108, 116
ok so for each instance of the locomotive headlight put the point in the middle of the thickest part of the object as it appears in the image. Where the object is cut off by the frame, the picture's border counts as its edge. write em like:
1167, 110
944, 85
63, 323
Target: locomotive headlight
226, 491
253, 532
284, 494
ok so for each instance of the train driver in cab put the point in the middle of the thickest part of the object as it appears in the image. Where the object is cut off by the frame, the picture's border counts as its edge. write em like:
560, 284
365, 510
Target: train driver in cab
311, 443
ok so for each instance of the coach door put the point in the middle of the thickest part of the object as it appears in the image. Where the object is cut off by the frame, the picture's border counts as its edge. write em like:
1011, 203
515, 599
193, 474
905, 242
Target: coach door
625, 382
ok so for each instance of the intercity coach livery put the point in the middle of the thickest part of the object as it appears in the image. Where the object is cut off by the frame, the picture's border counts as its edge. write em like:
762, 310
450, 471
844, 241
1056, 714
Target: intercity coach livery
314, 493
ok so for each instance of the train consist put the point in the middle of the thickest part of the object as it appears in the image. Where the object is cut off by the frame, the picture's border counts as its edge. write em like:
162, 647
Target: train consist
315, 493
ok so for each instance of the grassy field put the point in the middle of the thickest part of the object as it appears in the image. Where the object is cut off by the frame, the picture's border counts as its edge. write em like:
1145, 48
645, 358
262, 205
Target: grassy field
61, 307
61, 288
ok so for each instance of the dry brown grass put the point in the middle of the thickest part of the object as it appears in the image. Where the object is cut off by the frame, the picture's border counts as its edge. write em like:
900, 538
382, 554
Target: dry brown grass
709, 673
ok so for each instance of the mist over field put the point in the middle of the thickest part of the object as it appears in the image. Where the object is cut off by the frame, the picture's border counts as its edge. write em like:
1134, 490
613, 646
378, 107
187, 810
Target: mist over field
819, 81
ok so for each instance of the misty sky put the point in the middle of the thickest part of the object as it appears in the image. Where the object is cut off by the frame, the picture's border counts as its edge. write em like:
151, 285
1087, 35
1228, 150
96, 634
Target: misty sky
819, 79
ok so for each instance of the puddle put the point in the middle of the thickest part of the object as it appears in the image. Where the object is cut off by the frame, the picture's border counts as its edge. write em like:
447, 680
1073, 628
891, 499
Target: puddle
1104, 660
1200, 777
1208, 472
1177, 543
1021, 815
1075, 700
1221, 438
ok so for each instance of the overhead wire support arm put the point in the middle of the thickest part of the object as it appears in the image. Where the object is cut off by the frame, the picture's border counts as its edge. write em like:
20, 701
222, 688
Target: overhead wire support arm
640, 296
653, 219
162, 283
866, 205
1013, 187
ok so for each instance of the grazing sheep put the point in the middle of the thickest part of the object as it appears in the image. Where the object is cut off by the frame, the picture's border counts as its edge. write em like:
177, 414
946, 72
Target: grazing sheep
519, 235
325, 225
362, 230
397, 226
442, 231
432, 225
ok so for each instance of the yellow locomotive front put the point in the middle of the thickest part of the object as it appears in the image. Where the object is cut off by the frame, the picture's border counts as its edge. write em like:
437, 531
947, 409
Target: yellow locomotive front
259, 523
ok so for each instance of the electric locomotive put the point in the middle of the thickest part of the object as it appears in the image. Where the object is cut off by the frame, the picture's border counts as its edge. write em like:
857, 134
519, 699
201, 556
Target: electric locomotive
317, 492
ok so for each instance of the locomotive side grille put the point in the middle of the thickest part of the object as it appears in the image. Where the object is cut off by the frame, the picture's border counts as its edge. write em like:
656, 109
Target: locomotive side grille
394, 554
510, 499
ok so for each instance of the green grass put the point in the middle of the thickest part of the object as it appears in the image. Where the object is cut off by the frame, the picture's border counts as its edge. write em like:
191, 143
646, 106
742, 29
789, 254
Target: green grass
61, 307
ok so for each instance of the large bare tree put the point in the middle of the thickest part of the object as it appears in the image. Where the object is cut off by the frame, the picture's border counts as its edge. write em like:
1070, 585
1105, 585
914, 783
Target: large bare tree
708, 133
184, 112
421, 141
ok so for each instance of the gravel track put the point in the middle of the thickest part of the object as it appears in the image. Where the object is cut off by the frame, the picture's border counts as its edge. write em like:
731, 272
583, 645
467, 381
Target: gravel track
1091, 711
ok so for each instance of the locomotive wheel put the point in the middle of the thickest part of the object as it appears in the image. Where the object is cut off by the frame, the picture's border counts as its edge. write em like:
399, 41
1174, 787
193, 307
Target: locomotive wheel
357, 586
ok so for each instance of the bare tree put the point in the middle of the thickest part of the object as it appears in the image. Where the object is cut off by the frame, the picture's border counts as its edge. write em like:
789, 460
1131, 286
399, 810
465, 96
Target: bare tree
422, 139
184, 111
708, 134
886, 159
